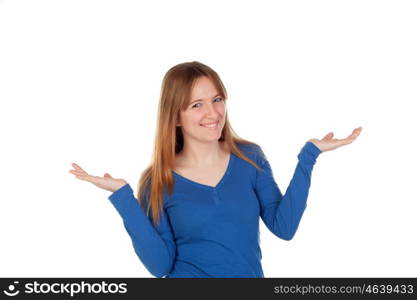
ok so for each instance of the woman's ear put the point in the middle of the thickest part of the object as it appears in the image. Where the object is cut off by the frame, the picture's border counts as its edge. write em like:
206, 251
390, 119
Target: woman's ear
178, 119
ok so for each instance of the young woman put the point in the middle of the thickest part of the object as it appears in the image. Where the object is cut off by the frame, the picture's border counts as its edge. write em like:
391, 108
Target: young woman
198, 203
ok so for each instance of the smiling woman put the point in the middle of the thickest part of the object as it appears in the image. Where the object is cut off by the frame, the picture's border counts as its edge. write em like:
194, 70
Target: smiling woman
207, 112
199, 202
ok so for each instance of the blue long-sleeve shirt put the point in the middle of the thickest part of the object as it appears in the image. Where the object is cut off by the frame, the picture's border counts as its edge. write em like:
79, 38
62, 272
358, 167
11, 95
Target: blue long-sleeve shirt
209, 231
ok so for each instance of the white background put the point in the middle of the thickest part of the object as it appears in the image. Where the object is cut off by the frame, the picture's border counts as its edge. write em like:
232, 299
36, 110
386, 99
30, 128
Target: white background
80, 82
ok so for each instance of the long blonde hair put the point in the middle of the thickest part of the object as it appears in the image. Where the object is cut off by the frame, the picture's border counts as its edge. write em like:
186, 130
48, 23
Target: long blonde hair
175, 96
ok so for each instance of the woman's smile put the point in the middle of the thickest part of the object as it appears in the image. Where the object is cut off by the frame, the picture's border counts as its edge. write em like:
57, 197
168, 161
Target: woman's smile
211, 126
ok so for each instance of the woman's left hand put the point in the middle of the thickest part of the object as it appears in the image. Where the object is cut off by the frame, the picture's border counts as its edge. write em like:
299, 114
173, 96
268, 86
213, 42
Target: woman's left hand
329, 143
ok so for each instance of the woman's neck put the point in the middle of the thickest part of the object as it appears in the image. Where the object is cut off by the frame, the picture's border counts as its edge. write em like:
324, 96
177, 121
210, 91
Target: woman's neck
202, 155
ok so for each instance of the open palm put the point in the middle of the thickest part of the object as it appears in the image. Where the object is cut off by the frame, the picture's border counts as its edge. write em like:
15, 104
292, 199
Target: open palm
329, 143
107, 182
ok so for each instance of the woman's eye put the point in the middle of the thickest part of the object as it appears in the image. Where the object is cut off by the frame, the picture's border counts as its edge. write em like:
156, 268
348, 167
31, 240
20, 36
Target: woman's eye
213, 100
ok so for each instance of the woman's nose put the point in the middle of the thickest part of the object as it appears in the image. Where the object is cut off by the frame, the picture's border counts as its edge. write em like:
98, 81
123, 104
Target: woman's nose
211, 110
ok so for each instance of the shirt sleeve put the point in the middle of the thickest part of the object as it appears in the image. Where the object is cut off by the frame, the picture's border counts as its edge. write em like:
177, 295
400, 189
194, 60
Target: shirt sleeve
282, 214
153, 244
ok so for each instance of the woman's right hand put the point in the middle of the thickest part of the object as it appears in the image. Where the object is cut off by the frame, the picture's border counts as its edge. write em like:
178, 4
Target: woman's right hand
107, 182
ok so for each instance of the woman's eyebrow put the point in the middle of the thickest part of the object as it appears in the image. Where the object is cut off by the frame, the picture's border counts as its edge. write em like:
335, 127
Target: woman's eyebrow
202, 99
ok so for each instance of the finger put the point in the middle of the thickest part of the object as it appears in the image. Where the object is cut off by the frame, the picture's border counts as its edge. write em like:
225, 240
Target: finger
355, 133
78, 172
338, 143
328, 136
77, 167
347, 140
107, 175
89, 178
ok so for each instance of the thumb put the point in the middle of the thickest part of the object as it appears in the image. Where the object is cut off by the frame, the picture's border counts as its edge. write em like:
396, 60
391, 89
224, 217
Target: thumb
328, 136
107, 175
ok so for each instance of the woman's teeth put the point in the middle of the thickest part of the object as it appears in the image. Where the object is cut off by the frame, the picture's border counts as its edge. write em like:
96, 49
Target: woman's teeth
211, 125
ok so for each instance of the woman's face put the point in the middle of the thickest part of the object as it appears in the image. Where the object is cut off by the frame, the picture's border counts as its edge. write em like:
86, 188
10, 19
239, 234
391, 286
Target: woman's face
206, 107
